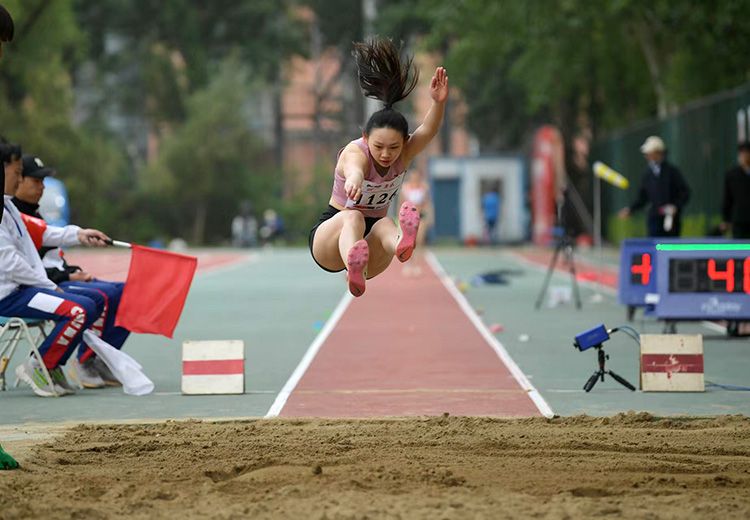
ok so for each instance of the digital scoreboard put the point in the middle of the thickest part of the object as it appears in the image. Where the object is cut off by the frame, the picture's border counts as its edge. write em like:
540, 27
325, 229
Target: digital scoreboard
703, 280
637, 277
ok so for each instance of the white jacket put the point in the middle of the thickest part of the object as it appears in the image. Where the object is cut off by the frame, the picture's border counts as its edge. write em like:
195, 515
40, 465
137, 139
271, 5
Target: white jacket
19, 260
58, 237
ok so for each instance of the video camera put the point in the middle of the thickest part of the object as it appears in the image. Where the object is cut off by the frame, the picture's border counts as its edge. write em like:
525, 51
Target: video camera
591, 338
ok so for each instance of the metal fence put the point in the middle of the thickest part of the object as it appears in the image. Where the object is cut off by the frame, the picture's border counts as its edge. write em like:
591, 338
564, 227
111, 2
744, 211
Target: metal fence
701, 140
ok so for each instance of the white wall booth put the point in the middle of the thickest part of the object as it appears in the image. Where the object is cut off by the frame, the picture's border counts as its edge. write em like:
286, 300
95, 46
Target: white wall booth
458, 185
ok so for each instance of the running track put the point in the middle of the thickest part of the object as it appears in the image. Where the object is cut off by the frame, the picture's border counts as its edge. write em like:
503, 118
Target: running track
409, 346
113, 265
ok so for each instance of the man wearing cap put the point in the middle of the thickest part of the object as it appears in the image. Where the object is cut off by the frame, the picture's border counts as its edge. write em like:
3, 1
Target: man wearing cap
90, 370
735, 207
664, 187
26, 292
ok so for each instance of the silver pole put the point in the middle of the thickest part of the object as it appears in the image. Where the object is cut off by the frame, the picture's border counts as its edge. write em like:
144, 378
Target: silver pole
369, 14
597, 297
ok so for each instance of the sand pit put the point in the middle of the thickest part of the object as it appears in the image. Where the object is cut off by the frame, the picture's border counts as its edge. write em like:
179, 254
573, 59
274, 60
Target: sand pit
629, 466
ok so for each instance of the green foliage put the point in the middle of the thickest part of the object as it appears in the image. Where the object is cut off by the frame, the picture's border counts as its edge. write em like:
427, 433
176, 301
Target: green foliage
579, 63
302, 209
169, 49
36, 105
213, 161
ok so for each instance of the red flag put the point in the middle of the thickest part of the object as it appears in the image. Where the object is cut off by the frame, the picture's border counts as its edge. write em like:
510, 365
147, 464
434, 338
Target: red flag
155, 292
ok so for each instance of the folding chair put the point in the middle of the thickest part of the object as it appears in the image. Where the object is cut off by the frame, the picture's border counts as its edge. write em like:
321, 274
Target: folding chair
12, 332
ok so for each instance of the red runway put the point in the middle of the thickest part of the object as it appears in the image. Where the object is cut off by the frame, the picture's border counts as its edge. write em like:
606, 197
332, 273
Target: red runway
407, 348
113, 265
585, 271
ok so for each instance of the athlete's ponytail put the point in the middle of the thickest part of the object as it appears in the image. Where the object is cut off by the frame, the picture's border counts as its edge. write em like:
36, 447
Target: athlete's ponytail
384, 76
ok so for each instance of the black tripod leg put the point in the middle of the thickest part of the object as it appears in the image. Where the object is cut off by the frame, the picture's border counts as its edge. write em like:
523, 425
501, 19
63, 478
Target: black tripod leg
592, 381
550, 270
573, 277
620, 380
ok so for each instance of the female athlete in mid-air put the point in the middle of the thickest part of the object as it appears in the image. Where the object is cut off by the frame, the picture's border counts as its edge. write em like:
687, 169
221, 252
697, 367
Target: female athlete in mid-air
352, 233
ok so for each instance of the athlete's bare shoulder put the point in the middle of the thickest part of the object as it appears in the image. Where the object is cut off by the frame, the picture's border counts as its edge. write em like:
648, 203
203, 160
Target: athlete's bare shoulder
352, 156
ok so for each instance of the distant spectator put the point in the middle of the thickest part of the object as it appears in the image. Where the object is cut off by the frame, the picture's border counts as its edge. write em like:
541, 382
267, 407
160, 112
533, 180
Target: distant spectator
664, 188
735, 208
245, 227
491, 210
272, 228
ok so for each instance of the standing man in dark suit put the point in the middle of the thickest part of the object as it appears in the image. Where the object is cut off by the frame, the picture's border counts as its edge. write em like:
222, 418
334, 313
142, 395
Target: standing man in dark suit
735, 207
664, 187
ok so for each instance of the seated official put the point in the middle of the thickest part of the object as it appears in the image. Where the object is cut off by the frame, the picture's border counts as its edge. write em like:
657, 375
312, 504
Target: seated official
26, 292
91, 371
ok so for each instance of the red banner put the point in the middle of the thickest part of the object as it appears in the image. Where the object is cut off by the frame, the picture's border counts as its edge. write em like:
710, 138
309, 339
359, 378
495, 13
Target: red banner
546, 168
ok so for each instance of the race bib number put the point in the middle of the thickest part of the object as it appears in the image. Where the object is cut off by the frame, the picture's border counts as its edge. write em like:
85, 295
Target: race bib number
377, 195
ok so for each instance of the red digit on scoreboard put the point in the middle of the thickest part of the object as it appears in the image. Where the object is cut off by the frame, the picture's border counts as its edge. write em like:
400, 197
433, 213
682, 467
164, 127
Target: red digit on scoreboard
644, 269
727, 276
746, 275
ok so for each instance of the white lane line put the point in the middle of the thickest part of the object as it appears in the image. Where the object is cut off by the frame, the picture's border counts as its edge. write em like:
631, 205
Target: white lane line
307, 359
498, 347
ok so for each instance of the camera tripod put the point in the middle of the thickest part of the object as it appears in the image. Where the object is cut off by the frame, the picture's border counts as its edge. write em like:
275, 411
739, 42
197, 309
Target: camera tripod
565, 246
599, 374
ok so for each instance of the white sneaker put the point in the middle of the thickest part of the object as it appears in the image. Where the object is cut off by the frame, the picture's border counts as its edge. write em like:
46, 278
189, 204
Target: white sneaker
62, 386
32, 374
86, 373
105, 373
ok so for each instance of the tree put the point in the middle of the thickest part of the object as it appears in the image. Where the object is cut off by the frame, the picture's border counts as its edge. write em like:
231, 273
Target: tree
158, 53
581, 64
37, 104
213, 161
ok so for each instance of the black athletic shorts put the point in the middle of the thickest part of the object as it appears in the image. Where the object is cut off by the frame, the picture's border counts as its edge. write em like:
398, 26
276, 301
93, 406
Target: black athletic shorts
328, 213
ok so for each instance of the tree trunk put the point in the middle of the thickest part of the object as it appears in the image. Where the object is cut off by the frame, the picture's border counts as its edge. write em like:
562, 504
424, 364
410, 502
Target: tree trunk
644, 37
199, 224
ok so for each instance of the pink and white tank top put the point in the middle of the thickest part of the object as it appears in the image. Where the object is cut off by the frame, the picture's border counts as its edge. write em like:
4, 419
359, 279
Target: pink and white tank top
377, 190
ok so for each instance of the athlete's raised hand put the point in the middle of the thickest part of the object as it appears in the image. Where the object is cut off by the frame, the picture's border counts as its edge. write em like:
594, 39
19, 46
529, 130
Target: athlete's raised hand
353, 186
439, 85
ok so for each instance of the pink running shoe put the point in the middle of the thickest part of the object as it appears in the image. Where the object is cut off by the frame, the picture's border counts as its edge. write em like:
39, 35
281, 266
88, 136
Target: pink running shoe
408, 219
356, 262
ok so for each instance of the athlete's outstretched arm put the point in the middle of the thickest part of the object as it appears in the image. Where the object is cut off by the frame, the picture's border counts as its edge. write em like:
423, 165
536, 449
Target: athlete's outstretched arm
434, 118
352, 164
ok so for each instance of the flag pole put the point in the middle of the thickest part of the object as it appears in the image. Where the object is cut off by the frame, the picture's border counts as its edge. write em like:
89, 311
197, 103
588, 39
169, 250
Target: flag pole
118, 243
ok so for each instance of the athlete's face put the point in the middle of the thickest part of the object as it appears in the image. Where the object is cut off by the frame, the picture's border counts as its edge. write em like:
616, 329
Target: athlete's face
385, 144
30, 190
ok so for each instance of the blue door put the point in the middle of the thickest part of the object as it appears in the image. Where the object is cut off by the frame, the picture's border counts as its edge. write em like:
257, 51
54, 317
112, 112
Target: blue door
445, 200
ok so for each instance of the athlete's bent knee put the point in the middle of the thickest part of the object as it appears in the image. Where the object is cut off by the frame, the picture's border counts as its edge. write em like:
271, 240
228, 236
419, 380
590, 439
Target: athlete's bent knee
353, 217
